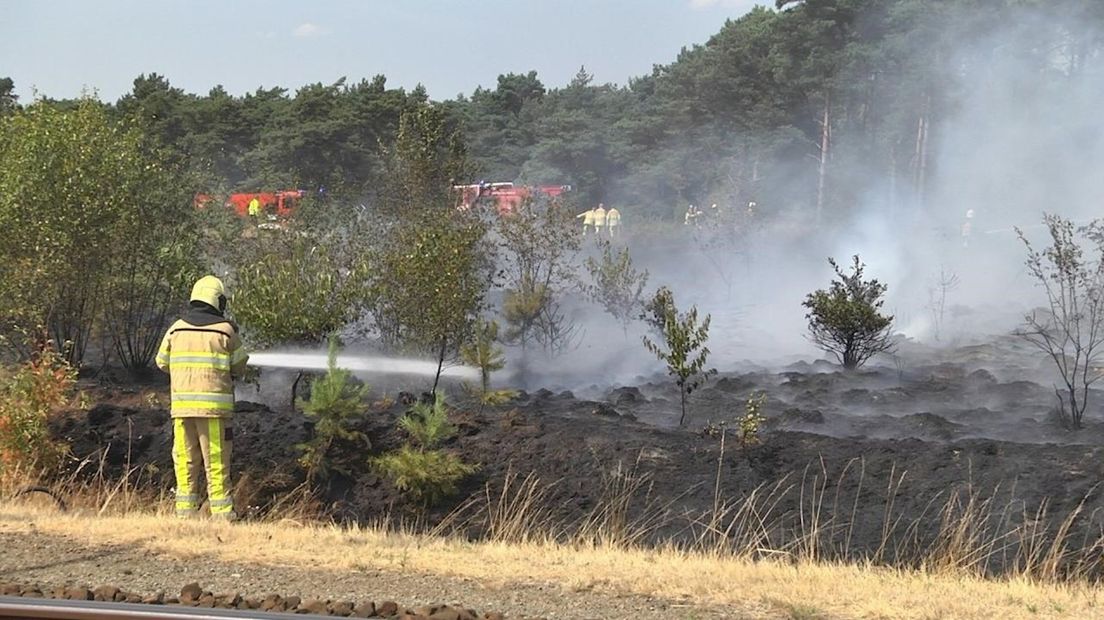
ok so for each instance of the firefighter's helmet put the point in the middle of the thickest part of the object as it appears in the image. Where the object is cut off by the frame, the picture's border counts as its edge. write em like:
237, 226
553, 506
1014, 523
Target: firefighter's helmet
210, 290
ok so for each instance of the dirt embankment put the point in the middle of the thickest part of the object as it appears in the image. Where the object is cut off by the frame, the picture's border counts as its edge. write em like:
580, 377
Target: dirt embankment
881, 460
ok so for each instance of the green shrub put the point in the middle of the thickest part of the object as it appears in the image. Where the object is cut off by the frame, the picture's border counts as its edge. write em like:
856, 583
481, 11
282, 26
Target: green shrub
28, 395
428, 476
335, 406
846, 319
428, 424
96, 225
752, 421
484, 353
296, 289
616, 285
419, 468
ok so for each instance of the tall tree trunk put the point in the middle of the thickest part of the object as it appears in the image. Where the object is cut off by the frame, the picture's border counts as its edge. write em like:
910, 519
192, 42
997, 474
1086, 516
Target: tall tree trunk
922, 177
825, 151
893, 179
920, 155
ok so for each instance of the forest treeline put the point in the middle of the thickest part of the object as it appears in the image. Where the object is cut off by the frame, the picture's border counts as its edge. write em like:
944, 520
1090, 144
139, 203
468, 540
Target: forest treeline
805, 105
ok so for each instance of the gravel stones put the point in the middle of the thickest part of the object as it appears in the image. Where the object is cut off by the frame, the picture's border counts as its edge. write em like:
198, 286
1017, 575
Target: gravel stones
194, 595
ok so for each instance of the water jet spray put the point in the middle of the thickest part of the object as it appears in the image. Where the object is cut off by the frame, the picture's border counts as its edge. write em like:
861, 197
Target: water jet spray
361, 364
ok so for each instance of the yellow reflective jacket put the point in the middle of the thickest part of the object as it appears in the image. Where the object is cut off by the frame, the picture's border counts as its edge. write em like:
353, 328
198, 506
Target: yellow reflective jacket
588, 217
613, 217
202, 352
599, 217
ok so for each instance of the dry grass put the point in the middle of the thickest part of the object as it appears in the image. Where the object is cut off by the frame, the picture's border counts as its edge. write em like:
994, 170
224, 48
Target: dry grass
746, 556
762, 589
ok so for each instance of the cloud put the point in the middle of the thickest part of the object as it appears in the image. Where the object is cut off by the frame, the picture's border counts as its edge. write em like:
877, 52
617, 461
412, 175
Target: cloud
307, 30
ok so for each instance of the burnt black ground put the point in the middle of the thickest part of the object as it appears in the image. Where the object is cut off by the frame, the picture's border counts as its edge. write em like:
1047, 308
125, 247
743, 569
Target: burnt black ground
891, 444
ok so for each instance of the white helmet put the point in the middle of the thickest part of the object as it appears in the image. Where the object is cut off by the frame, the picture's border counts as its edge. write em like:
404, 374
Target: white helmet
969, 213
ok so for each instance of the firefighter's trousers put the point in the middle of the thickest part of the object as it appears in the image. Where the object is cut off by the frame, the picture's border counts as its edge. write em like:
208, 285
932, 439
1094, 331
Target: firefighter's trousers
202, 445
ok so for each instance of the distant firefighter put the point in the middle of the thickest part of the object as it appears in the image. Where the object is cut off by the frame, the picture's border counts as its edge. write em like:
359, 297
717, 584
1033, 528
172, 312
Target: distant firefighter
692, 215
613, 221
599, 218
588, 220
967, 228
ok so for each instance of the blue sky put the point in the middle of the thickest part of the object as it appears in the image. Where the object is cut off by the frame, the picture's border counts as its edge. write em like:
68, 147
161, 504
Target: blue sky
58, 47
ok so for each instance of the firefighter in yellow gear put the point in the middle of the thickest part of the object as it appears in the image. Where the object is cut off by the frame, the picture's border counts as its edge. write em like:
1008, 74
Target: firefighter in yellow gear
202, 353
613, 222
588, 219
254, 207
599, 218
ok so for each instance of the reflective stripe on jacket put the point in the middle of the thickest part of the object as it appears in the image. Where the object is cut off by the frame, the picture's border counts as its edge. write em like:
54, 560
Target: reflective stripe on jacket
588, 217
599, 217
613, 217
201, 360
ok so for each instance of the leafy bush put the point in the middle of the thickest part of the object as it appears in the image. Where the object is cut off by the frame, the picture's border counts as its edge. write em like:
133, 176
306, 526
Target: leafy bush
335, 406
428, 424
105, 224
27, 397
431, 284
538, 244
420, 468
846, 321
616, 286
297, 289
683, 349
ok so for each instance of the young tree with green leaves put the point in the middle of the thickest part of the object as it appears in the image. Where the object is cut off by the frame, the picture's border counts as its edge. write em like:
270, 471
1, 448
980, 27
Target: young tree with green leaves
683, 346
434, 268
103, 226
297, 289
616, 285
846, 320
538, 243
431, 285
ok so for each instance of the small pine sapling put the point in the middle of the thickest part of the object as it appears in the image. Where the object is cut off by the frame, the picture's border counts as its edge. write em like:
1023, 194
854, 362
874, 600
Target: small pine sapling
484, 353
420, 468
336, 406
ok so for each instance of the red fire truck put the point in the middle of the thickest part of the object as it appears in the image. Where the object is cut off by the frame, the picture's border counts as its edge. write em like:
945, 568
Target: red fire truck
280, 204
506, 197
